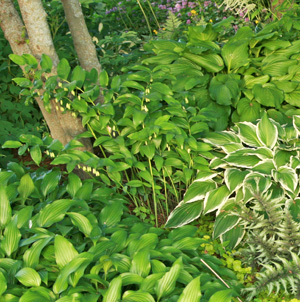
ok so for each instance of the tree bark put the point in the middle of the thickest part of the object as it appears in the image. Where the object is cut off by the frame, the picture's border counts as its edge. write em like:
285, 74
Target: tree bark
84, 46
63, 127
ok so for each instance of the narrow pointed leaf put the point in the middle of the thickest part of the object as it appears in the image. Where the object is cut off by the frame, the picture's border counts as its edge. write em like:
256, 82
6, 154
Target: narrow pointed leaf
26, 186
29, 277
5, 209
137, 296
192, 292
50, 182
74, 184
215, 198
81, 222
64, 251
11, 239
267, 132
113, 294
221, 296
3, 284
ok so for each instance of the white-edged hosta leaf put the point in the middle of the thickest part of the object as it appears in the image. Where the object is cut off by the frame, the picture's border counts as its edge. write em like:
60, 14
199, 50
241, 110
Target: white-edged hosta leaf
137, 296
184, 213
81, 222
54, 212
111, 214
5, 208
234, 236
265, 167
167, 283
234, 178
74, 183
64, 251
283, 157
50, 182
221, 296
61, 282
267, 132
287, 177
247, 132
221, 138
26, 186
31, 256
148, 284
3, 284
192, 292
23, 216
215, 198
205, 175
10, 241
28, 277
223, 223
198, 189
246, 161
140, 264
113, 293
296, 123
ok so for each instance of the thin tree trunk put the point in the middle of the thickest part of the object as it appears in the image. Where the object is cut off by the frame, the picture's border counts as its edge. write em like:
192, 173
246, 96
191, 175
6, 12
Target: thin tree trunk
84, 46
63, 127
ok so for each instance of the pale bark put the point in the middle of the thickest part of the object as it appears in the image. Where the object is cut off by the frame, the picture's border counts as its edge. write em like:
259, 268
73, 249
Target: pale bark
63, 127
84, 46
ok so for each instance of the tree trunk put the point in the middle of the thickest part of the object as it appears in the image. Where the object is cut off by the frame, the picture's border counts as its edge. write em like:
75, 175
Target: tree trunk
63, 127
84, 46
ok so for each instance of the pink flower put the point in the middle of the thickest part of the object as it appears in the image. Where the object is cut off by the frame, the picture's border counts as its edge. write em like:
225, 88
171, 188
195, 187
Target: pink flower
207, 3
189, 14
178, 7
188, 21
246, 19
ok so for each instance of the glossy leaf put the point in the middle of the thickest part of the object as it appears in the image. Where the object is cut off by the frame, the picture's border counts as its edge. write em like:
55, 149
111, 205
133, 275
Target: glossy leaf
192, 292
3, 284
215, 199
222, 296
64, 251
29, 277
141, 263
11, 239
5, 209
81, 222
267, 132
50, 182
113, 293
26, 186
63, 69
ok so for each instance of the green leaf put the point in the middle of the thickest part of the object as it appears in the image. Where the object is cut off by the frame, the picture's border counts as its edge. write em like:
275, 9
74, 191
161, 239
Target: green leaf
161, 88
12, 144
287, 177
3, 284
267, 132
148, 284
198, 189
29, 277
103, 78
26, 186
248, 134
223, 223
5, 209
23, 82
141, 263
167, 283
54, 212
235, 54
50, 182
113, 294
36, 154
78, 75
111, 214
22, 217
268, 95
37, 294
81, 222
63, 69
184, 213
64, 251
221, 296
137, 296
234, 178
19, 60
215, 199
74, 183
133, 84
46, 63
192, 292
30, 60
12, 236
248, 110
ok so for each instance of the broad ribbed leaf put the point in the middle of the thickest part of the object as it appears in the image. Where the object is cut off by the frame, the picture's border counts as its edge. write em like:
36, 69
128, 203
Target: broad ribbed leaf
54, 212
234, 178
131, 278
287, 177
29, 277
247, 132
63, 69
192, 292
267, 132
111, 214
223, 223
26, 186
50, 182
268, 95
184, 213
137, 296
148, 284
242, 161
11, 144
81, 222
215, 199
11, 239
36, 154
5, 209
64, 251
221, 296
221, 138
23, 216
198, 189
141, 263
187, 243
167, 283
146, 241
37, 294
235, 54
113, 294
74, 183
3, 284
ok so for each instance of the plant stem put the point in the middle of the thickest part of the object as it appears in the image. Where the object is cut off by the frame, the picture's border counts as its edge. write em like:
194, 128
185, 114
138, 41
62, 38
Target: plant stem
154, 194
145, 16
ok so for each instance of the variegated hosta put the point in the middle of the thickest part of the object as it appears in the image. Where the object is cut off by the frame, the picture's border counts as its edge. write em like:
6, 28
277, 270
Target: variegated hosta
250, 160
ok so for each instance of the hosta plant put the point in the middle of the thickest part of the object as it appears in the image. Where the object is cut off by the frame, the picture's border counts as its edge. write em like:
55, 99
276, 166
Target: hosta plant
253, 186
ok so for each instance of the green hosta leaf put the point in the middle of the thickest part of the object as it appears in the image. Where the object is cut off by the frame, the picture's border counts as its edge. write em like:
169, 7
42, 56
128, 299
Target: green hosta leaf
22, 217
64, 251
167, 283
133, 84
81, 222
221, 138
63, 69
12, 236
29, 277
141, 263
234, 178
50, 182
137, 296
248, 110
148, 284
268, 95
221, 296
146, 241
250, 80
113, 294
235, 54
37, 294
198, 190
111, 214
46, 63
184, 213
26, 186
130, 278
287, 177
267, 132
3, 284
247, 133
265, 167
12, 144
192, 292
215, 198
5, 209
187, 243
54, 212
74, 183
